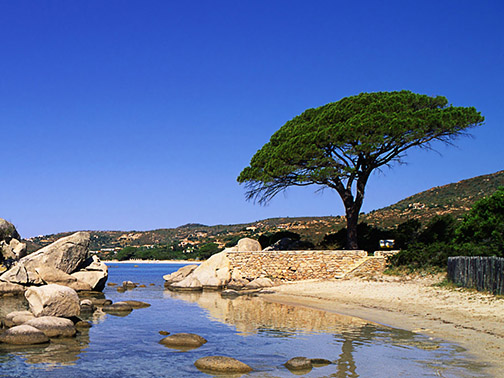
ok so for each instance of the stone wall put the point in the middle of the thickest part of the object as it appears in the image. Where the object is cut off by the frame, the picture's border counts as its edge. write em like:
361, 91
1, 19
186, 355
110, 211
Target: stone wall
306, 265
296, 265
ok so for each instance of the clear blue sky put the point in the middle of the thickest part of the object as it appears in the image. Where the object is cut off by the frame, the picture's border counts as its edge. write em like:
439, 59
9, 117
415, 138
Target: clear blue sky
136, 115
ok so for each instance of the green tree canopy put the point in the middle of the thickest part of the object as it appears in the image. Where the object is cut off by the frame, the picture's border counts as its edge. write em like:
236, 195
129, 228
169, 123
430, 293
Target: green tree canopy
482, 229
338, 145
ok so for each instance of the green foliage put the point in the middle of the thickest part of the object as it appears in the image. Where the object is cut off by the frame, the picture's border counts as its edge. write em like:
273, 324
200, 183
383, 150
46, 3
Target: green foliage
126, 253
368, 238
481, 232
427, 247
406, 232
206, 250
231, 241
269, 238
160, 252
338, 145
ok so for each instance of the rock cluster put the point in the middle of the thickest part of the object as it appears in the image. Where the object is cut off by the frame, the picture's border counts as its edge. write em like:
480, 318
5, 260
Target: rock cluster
56, 311
216, 273
11, 248
64, 262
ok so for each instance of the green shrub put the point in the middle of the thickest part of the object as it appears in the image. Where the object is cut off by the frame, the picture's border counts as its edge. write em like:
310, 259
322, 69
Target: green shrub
481, 232
368, 238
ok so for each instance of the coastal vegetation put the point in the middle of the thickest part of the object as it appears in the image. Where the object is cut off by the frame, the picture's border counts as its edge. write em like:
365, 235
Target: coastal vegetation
479, 233
339, 145
405, 221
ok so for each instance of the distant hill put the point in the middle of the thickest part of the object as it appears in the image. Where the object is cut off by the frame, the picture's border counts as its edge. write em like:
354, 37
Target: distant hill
456, 199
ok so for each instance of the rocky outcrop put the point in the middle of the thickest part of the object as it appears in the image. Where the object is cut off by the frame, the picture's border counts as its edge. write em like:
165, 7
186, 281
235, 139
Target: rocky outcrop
64, 262
11, 249
53, 300
50, 275
179, 275
94, 273
212, 274
23, 335
65, 254
18, 274
222, 364
8, 231
216, 273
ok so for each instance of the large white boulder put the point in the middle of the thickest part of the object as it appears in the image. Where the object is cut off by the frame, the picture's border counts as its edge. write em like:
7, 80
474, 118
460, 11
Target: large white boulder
94, 273
248, 245
65, 254
179, 275
53, 300
212, 274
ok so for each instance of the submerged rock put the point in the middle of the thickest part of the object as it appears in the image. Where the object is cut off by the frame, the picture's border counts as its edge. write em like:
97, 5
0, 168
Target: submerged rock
299, 363
129, 285
23, 335
136, 304
189, 340
222, 364
318, 362
118, 309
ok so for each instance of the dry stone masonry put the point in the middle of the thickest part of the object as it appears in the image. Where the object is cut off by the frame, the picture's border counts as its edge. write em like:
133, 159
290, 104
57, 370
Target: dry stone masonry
296, 265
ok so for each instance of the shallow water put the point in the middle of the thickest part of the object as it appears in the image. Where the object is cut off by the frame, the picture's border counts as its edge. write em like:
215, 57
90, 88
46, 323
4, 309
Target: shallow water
263, 335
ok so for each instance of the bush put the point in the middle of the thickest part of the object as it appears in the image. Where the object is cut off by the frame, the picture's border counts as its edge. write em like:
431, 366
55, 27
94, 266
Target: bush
481, 232
368, 238
207, 250
271, 238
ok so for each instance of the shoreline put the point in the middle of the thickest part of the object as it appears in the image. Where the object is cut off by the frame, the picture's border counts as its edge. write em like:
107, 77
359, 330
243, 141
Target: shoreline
152, 262
471, 319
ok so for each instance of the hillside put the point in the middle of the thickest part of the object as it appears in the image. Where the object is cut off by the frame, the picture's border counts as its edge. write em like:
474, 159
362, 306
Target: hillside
456, 199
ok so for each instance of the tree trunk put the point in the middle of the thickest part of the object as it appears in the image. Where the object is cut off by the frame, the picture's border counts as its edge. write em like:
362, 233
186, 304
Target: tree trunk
352, 206
352, 217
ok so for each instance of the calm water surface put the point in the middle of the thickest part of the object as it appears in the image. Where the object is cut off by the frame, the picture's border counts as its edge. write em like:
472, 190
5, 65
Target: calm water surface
263, 335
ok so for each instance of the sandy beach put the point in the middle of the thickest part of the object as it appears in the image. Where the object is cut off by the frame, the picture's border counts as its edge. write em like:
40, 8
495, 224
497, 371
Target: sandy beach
471, 319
